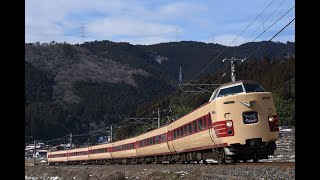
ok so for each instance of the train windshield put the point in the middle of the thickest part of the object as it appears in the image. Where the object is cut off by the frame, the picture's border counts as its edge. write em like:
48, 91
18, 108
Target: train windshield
253, 88
231, 90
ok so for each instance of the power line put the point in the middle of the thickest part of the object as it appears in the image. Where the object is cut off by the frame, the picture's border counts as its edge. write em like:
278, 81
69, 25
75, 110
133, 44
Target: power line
262, 45
258, 48
261, 34
210, 61
274, 23
268, 17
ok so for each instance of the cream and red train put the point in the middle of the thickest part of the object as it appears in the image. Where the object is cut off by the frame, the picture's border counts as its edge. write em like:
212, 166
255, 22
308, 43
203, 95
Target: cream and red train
239, 122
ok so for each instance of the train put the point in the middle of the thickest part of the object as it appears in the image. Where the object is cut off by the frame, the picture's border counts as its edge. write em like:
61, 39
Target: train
238, 123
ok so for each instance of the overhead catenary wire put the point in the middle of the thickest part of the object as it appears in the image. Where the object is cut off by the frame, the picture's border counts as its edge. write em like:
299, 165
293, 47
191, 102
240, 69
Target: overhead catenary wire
206, 65
239, 36
212, 60
265, 20
263, 33
273, 23
262, 46
264, 43
233, 40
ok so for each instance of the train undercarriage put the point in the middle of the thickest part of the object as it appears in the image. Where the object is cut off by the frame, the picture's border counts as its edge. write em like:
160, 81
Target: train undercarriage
254, 149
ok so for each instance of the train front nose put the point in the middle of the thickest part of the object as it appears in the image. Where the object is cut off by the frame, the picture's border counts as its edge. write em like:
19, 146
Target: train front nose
255, 124
253, 115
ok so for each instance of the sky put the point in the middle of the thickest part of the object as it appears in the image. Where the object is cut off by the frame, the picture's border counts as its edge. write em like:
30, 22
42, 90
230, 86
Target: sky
156, 21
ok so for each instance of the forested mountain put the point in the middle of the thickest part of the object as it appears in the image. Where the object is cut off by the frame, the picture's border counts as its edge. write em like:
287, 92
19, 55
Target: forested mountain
82, 87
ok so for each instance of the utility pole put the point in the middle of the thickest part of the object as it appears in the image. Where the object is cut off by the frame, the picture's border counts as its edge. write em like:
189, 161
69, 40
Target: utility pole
180, 75
83, 33
34, 153
70, 140
233, 63
111, 134
159, 116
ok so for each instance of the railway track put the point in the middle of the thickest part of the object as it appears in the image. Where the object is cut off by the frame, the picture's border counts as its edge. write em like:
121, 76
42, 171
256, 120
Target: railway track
284, 164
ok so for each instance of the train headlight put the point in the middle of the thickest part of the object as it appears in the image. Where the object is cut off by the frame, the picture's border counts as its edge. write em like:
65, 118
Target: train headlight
228, 123
271, 119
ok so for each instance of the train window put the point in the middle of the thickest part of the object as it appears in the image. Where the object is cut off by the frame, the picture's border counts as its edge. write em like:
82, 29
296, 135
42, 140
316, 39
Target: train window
190, 128
178, 132
163, 138
174, 134
230, 90
200, 124
194, 126
204, 122
157, 140
150, 139
185, 129
253, 88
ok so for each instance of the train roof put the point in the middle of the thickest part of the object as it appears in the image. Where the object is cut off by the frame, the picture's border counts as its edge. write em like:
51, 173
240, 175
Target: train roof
237, 82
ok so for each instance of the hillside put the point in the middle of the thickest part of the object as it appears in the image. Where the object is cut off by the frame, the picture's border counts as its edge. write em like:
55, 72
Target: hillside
82, 87
194, 56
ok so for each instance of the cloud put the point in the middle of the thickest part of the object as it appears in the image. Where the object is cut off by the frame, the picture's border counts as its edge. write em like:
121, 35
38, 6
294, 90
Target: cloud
127, 26
147, 40
226, 39
136, 20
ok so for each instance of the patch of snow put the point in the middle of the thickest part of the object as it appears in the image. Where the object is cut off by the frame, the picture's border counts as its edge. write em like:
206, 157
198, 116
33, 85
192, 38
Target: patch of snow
29, 177
53, 178
159, 59
166, 171
211, 161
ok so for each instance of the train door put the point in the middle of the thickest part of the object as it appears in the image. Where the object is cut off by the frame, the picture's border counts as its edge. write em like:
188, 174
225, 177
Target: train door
170, 139
137, 145
111, 150
68, 154
212, 137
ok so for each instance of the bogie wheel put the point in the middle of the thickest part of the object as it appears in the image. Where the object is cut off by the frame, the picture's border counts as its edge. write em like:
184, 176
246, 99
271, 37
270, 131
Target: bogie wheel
255, 160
